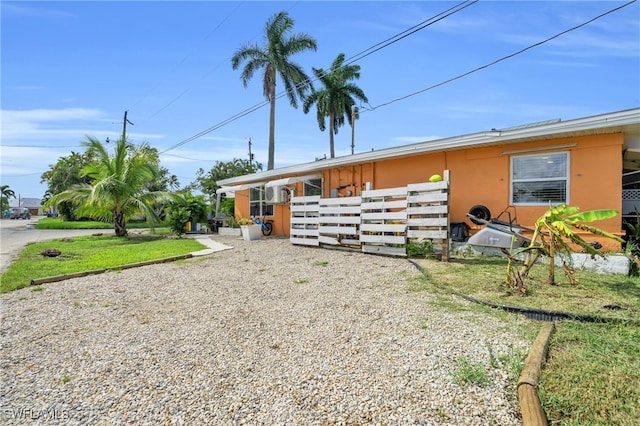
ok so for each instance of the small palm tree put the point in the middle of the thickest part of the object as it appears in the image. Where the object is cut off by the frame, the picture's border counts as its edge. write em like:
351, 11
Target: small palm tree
336, 99
274, 58
6, 194
118, 185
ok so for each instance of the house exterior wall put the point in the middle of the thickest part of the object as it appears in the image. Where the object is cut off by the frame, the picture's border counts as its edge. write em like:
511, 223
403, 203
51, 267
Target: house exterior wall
482, 176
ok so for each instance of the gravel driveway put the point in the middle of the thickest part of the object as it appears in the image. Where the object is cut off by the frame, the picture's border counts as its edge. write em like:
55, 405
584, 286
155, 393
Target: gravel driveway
265, 333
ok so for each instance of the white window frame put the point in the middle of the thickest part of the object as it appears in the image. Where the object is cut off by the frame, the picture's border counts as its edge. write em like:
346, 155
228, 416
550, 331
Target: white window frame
263, 209
312, 183
542, 178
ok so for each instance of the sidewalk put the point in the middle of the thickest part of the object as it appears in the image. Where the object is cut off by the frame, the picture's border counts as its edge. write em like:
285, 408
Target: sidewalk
213, 246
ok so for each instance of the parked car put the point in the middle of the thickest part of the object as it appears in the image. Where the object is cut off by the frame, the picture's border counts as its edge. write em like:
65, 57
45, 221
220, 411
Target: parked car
19, 213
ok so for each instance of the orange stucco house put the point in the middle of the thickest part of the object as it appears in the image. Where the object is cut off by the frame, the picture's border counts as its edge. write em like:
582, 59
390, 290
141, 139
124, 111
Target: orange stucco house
584, 162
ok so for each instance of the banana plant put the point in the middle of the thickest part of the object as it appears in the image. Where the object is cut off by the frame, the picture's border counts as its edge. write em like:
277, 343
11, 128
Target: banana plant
557, 230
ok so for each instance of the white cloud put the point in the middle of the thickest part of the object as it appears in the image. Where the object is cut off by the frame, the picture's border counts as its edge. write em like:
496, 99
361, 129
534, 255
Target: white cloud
69, 124
12, 9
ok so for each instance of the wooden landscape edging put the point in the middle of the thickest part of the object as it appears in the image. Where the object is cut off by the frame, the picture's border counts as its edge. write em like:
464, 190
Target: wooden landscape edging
530, 407
56, 278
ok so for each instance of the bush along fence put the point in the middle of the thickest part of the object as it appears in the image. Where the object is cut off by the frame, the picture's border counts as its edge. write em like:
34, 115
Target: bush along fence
382, 221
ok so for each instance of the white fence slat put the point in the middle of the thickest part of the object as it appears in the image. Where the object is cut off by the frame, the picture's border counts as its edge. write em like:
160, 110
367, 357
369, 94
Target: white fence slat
400, 192
309, 199
389, 251
380, 205
427, 234
323, 239
304, 241
429, 197
402, 215
385, 239
435, 221
350, 242
304, 208
343, 230
305, 232
426, 210
332, 210
354, 201
352, 220
427, 186
381, 227
304, 220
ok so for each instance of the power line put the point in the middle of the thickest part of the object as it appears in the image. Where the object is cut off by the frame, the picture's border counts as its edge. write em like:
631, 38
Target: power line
406, 33
207, 74
183, 60
394, 39
501, 59
188, 158
422, 25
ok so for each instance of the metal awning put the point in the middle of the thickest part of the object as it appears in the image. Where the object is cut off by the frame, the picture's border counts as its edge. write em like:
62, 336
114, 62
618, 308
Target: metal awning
227, 189
292, 179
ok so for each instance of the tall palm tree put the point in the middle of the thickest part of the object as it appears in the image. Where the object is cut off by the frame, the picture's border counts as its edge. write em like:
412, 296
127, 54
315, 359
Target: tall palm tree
118, 185
274, 58
336, 99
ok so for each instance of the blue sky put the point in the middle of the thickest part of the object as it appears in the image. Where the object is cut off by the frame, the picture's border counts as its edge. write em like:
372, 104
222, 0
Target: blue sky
71, 69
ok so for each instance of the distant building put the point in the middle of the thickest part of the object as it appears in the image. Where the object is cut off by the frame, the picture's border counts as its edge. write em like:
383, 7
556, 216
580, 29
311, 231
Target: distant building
33, 204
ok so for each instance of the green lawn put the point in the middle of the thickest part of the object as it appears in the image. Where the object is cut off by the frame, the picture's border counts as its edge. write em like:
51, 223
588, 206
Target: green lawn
592, 373
80, 254
58, 223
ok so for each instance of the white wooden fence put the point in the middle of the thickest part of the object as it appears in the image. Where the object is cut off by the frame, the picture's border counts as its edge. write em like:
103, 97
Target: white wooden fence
379, 221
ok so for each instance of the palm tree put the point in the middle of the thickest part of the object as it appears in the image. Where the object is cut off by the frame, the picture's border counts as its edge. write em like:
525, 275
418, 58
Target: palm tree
118, 185
336, 99
273, 57
6, 194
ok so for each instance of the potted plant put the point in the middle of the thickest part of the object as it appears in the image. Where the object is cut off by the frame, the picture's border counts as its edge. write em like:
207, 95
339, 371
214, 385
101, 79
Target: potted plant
250, 230
230, 227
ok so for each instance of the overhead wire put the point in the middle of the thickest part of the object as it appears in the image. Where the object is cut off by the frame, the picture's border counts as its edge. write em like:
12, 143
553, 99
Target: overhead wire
182, 61
208, 73
365, 109
385, 43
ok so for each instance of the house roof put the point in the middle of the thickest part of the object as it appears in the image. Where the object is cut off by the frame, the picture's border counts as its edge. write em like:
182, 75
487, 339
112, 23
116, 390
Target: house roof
626, 121
30, 203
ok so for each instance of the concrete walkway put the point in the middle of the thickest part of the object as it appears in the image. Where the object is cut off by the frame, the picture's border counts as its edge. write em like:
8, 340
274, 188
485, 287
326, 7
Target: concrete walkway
213, 246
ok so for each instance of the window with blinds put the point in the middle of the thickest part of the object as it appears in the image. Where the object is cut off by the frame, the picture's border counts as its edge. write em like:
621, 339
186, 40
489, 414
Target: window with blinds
540, 179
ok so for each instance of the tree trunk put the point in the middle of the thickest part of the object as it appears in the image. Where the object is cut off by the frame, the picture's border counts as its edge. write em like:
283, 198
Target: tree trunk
272, 125
119, 224
552, 261
332, 151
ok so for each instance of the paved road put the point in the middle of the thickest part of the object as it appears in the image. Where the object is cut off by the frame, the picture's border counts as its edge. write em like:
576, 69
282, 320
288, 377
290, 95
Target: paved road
15, 234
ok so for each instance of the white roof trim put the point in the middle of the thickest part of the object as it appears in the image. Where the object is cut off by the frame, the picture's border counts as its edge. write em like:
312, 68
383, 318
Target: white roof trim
292, 179
226, 189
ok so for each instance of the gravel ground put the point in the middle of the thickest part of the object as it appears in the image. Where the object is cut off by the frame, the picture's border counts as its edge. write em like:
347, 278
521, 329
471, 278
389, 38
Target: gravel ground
265, 333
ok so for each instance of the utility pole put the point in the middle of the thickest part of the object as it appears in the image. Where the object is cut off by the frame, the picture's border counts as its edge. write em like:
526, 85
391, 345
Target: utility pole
124, 126
354, 114
250, 154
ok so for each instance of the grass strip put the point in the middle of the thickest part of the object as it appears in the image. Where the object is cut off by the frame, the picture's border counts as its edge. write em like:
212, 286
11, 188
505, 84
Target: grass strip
58, 223
88, 253
604, 295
